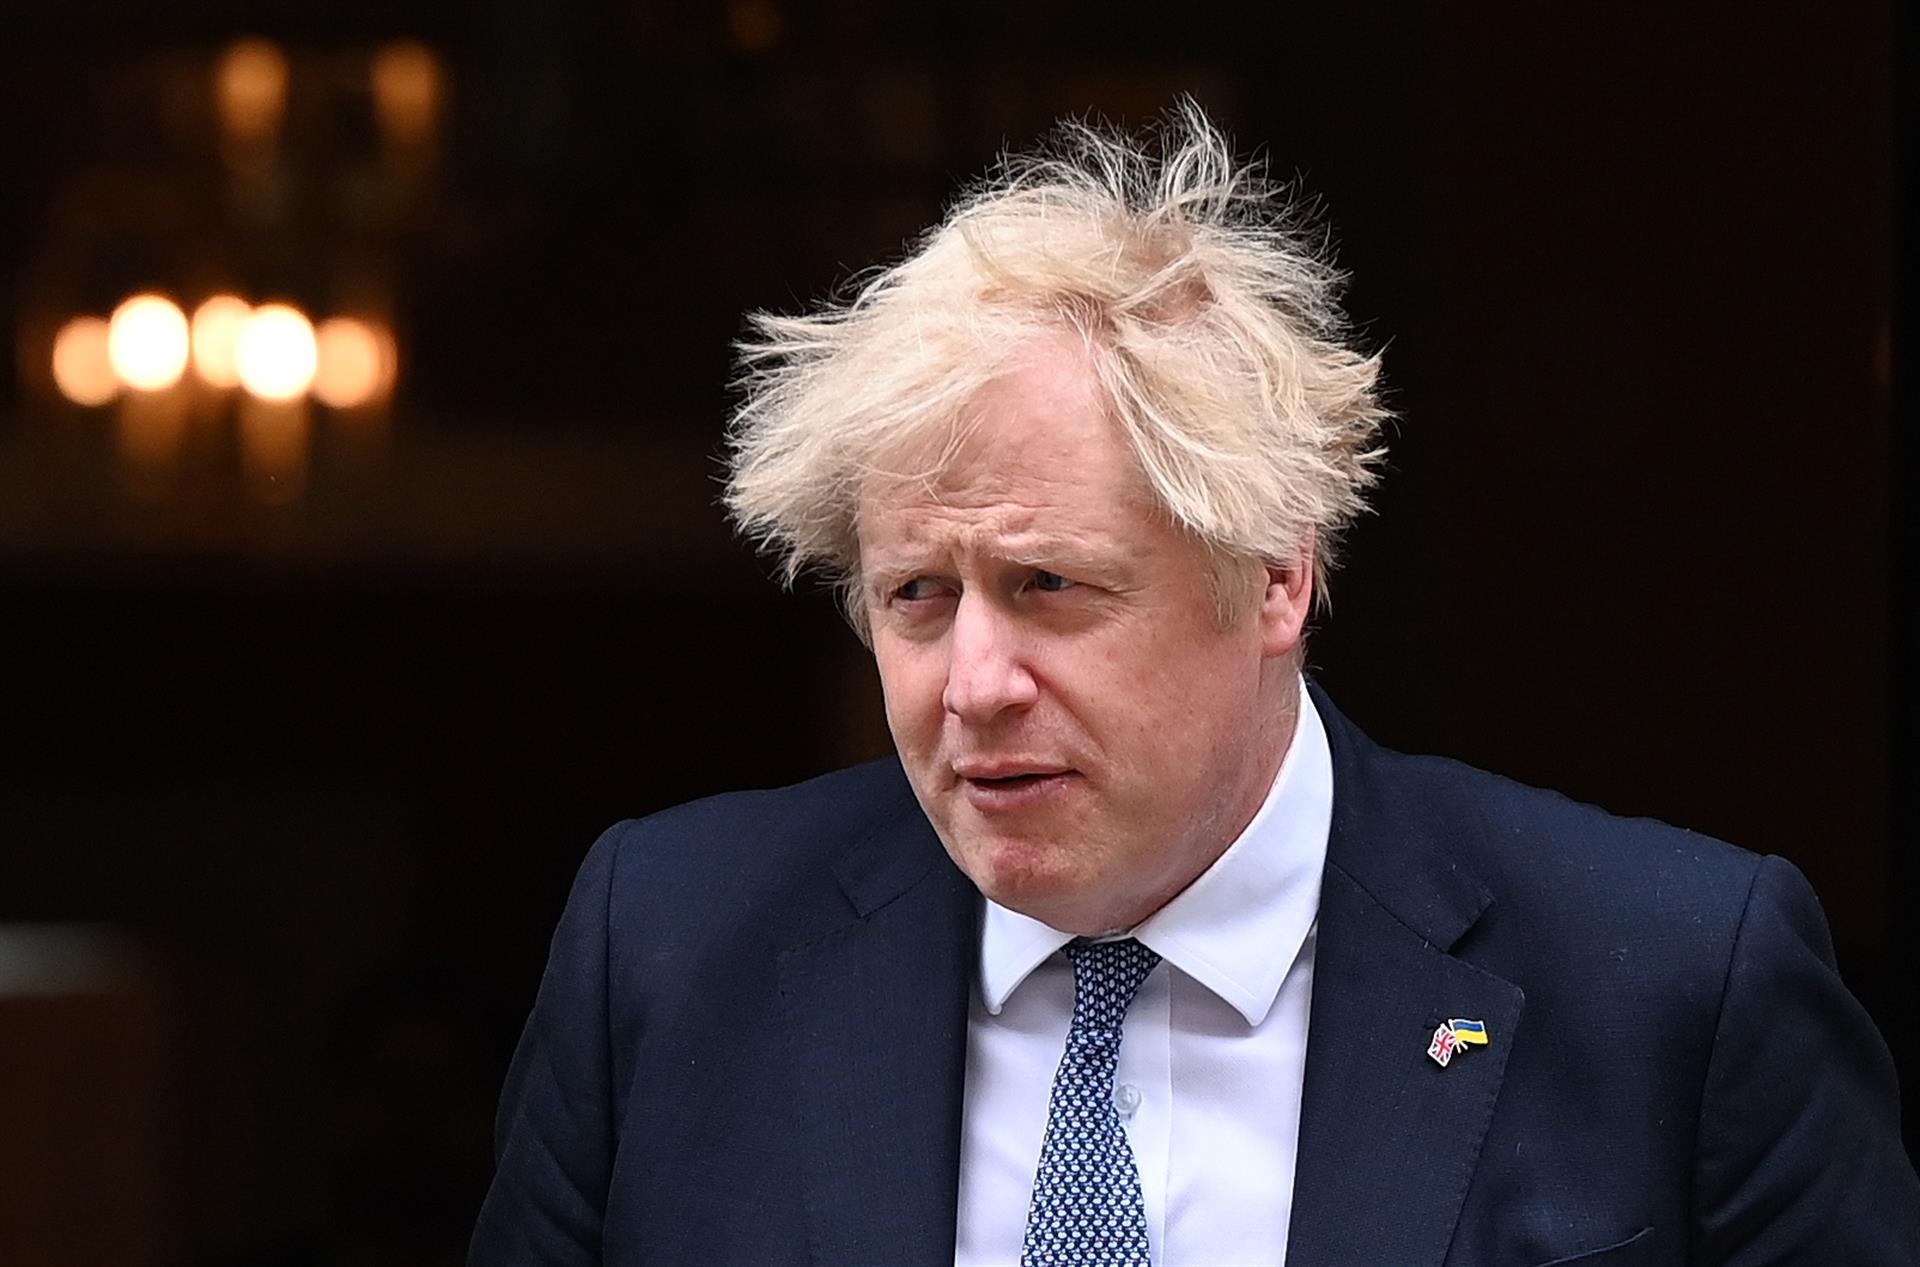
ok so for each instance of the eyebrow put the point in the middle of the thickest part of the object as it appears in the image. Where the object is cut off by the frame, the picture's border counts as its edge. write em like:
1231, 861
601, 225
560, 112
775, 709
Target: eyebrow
1058, 553
1045, 553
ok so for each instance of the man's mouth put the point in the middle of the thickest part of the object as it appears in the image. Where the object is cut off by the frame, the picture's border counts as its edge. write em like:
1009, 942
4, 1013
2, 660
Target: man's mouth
1011, 780
1008, 770
1010, 787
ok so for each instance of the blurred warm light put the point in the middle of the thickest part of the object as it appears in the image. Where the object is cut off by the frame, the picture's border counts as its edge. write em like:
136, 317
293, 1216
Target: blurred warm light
755, 24
81, 369
147, 342
273, 447
276, 354
216, 339
152, 431
406, 90
251, 84
352, 364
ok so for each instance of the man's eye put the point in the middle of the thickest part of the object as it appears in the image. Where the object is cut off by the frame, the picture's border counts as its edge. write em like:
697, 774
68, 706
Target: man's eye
1050, 582
918, 588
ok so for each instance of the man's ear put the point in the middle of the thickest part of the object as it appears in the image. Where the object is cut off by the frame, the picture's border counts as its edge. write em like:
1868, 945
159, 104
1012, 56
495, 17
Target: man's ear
1285, 604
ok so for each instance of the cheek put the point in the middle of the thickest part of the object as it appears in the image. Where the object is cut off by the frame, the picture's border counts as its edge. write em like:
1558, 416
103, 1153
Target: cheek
1181, 710
912, 687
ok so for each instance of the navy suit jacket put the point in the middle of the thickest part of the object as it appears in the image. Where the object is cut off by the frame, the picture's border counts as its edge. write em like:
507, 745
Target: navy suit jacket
749, 1044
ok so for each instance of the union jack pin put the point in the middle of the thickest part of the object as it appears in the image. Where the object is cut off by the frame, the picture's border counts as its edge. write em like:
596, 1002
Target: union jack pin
1454, 1036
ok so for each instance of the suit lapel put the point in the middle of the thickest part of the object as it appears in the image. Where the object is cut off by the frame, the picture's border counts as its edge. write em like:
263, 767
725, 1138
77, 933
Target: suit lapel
876, 1014
1388, 1137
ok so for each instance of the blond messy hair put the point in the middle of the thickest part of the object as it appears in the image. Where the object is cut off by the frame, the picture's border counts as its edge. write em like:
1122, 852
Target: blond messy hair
1210, 322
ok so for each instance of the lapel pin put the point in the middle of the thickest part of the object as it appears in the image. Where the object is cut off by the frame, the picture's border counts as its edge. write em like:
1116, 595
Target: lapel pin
1454, 1036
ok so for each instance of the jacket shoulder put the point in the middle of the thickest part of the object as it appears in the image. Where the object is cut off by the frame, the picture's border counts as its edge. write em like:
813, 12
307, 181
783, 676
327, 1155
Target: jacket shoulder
1406, 813
1518, 833
753, 864
1574, 904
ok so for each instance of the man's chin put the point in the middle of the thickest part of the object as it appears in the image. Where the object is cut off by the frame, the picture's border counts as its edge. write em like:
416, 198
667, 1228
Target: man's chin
1041, 879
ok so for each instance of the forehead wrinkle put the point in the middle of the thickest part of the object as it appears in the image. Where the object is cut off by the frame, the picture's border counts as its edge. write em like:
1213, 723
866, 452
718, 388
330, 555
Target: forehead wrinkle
1004, 534
940, 528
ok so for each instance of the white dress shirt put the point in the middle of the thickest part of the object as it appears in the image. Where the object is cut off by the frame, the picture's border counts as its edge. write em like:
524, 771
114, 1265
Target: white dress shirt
1213, 1054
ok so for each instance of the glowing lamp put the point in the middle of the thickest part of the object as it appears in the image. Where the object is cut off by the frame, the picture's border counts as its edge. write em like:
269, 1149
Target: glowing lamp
276, 353
147, 342
216, 339
352, 363
81, 369
251, 83
406, 90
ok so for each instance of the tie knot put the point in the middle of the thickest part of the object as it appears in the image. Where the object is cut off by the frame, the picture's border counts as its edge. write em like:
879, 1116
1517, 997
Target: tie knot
1106, 976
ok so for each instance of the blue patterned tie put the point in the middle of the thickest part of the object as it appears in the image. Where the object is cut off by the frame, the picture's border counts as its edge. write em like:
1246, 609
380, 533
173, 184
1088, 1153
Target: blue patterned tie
1087, 1207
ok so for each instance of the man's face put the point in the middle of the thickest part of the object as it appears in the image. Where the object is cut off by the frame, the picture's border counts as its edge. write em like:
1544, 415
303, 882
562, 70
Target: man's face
1081, 729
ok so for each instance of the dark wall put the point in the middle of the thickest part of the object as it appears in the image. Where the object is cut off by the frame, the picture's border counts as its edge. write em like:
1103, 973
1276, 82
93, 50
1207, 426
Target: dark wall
329, 764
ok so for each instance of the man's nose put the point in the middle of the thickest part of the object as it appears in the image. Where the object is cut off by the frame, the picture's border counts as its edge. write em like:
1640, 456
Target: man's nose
987, 671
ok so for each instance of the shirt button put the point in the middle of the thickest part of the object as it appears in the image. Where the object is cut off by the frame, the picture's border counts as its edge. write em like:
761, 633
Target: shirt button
1126, 1098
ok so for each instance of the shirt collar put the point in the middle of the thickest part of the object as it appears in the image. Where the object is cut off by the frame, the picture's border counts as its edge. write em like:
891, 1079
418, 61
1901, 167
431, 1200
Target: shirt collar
1237, 929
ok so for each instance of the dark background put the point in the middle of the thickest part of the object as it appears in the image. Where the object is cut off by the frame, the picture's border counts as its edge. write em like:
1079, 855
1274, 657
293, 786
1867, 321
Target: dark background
304, 781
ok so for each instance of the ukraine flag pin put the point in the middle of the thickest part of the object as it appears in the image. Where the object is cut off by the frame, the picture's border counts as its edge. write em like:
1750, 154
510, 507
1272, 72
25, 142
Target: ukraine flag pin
1454, 1036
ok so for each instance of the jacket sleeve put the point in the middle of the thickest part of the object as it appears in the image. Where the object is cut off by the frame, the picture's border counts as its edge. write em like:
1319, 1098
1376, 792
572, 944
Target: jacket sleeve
554, 1136
1799, 1158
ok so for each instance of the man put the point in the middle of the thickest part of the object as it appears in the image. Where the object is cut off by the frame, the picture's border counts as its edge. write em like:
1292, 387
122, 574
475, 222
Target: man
1140, 952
